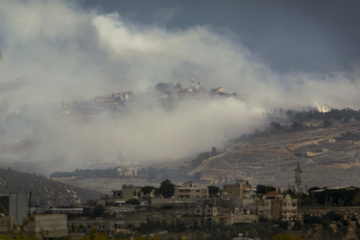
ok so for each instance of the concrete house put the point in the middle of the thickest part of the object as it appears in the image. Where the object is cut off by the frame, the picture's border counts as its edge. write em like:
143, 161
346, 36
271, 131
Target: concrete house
241, 189
130, 191
190, 190
42, 226
127, 192
273, 205
206, 211
14, 205
110, 227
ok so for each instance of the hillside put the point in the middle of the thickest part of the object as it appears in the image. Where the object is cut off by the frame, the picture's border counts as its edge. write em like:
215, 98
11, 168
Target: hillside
44, 191
326, 145
327, 156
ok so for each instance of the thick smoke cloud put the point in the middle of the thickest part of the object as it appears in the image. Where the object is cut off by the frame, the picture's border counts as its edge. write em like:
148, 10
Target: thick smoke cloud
54, 52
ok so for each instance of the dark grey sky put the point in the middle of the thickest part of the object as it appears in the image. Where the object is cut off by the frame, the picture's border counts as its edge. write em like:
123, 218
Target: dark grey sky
307, 35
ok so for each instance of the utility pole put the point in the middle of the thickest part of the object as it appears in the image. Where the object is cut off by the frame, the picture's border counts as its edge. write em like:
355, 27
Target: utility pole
299, 190
298, 170
29, 203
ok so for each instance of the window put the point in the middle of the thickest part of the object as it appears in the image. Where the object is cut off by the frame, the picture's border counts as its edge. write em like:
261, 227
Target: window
294, 204
197, 190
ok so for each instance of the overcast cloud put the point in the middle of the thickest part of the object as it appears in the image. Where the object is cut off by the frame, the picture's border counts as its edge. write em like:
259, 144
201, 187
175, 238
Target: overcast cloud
58, 51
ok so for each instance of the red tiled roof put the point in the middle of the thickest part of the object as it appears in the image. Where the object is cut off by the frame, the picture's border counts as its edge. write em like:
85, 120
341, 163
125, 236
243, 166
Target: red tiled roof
288, 211
272, 193
244, 187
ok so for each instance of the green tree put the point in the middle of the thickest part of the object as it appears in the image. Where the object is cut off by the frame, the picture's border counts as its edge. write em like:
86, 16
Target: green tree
263, 189
147, 189
297, 226
312, 189
357, 230
99, 210
213, 151
276, 126
132, 201
167, 188
284, 225
213, 190
327, 123
297, 126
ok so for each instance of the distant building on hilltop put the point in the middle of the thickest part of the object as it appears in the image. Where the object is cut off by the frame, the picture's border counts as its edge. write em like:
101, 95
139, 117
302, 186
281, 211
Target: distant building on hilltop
127, 171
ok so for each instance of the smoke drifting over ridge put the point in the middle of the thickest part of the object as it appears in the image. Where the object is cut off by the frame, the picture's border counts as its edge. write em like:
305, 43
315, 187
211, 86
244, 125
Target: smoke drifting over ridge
54, 52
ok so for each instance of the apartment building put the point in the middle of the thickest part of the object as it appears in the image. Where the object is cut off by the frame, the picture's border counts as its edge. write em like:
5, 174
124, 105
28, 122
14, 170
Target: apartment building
190, 190
241, 189
273, 205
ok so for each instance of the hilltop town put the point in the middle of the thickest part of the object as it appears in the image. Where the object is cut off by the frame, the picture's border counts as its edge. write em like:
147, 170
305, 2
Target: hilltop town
164, 93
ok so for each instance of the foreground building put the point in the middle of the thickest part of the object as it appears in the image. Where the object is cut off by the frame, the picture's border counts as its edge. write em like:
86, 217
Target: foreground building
110, 227
14, 205
190, 190
47, 226
131, 192
274, 206
241, 189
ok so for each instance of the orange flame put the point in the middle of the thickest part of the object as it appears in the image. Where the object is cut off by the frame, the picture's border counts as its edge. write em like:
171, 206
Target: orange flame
322, 109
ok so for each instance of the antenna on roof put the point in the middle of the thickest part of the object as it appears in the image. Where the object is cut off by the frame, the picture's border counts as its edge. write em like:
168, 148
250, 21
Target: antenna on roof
29, 203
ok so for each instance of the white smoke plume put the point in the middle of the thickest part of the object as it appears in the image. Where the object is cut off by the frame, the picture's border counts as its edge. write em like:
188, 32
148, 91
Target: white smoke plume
55, 52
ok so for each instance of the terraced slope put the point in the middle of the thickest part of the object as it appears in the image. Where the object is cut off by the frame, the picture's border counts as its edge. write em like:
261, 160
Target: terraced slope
44, 191
327, 156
